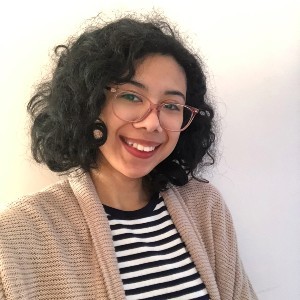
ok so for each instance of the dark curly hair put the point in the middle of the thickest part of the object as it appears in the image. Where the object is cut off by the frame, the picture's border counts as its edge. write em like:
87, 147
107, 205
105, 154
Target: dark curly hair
65, 108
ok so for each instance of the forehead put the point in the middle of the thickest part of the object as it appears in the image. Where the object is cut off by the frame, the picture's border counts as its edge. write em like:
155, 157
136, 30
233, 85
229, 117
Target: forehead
160, 72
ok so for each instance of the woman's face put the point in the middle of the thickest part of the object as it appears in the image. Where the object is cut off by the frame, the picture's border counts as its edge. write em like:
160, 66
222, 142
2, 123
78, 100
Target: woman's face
134, 149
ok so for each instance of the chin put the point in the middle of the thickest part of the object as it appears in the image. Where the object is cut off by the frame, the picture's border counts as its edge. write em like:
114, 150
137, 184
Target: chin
136, 174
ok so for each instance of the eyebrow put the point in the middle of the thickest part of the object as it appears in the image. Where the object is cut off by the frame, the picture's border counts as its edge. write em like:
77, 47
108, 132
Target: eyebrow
168, 92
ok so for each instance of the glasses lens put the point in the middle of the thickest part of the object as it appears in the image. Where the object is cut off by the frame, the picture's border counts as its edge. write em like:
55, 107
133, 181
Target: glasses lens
130, 106
174, 116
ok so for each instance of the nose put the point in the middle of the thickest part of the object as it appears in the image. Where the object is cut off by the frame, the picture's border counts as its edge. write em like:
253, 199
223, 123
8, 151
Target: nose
150, 122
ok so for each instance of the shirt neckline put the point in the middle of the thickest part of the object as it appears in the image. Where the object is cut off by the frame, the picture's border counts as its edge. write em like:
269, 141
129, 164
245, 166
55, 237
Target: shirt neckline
133, 214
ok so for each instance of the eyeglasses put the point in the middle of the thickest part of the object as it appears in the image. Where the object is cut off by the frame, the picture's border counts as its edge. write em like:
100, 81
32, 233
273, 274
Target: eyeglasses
133, 107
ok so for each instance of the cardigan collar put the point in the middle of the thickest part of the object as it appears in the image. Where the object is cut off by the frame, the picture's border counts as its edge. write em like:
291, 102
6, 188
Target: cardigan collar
95, 217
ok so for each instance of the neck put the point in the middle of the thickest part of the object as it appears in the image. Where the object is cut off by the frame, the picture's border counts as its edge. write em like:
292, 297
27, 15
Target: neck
118, 191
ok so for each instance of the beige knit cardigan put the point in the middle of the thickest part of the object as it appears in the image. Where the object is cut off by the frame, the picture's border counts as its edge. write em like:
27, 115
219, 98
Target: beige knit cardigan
57, 244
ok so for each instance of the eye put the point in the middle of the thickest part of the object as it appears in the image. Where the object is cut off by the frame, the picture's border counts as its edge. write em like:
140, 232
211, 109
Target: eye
172, 107
129, 96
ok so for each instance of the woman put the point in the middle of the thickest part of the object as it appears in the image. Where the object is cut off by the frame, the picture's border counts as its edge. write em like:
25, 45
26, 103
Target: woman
125, 115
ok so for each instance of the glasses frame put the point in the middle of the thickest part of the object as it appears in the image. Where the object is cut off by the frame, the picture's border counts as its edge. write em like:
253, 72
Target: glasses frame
152, 106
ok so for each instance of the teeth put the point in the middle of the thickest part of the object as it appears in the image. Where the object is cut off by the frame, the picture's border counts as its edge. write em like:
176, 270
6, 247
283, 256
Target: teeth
140, 147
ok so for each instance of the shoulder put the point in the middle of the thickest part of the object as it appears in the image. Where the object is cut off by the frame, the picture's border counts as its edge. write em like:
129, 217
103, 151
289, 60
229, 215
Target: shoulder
34, 211
204, 203
197, 193
49, 196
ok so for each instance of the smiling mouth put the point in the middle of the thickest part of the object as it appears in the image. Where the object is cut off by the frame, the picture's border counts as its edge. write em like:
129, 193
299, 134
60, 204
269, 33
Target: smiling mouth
139, 146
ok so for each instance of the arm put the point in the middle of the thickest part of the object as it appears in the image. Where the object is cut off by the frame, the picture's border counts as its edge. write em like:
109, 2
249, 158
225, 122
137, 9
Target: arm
232, 280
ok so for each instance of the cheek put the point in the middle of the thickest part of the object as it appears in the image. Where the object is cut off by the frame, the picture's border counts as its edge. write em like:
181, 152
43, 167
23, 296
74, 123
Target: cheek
173, 138
106, 113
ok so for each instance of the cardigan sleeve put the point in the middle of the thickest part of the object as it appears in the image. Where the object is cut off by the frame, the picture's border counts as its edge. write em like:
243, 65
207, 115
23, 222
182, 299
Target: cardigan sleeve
232, 279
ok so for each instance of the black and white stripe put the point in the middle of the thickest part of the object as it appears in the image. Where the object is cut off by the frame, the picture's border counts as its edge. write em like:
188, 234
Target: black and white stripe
152, 258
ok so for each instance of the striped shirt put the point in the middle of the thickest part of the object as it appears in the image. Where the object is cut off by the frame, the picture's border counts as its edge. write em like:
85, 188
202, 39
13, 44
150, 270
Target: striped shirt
152, 258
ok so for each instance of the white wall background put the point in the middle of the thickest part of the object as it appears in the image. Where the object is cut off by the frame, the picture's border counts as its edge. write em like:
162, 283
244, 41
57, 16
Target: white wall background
252, 51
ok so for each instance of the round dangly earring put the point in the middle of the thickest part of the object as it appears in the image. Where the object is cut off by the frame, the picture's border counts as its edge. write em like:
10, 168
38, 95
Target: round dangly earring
99, 130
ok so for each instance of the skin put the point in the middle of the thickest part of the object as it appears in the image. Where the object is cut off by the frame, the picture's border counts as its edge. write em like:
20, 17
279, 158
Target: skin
118, 179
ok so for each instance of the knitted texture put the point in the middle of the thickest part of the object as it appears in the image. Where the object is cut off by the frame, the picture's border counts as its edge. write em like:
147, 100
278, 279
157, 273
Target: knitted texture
57, 244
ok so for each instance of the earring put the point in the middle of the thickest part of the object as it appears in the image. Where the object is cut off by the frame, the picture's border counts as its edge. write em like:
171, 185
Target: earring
99, 130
